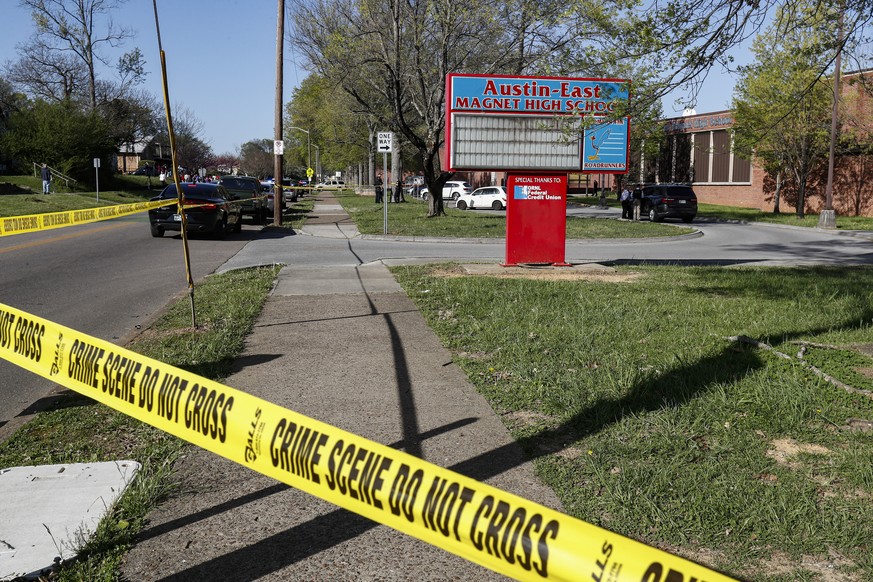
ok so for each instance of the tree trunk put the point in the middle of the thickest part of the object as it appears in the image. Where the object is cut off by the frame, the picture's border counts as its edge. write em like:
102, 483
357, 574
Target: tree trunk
778, 192
435, 205
801, 197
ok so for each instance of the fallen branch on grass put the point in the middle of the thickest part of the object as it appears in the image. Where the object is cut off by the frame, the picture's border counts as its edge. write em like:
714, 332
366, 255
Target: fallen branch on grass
828, 378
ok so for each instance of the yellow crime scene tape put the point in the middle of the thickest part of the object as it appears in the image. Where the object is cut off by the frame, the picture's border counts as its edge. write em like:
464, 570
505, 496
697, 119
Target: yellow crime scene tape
34, 222
493, 528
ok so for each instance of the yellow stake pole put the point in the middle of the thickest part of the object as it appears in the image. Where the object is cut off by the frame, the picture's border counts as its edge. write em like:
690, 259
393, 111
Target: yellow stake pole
181, 200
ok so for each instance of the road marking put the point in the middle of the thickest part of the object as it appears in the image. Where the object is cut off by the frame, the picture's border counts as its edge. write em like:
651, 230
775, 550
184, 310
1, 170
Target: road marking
64, 237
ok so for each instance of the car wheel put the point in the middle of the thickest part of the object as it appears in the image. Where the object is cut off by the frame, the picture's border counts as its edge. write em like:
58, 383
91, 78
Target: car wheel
653, 216
461, 205
157, 231
425, 196
687, 219
496, 205
237, 227
455, 195
221, 228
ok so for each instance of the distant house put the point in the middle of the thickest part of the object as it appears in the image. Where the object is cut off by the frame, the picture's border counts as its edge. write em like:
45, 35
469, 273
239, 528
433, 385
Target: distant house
131, 155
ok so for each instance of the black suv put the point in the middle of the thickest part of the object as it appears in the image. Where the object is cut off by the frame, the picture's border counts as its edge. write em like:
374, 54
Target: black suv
662, 201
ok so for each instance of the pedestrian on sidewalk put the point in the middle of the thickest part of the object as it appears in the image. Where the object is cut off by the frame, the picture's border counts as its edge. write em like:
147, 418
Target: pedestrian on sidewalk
46, 179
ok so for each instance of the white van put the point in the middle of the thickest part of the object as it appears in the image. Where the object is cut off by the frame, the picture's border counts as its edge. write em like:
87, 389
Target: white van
331, 184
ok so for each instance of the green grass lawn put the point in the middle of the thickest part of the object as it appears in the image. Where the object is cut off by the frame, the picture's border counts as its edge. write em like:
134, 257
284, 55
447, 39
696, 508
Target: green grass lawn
647, 420
119, 190
754, 215
410, 219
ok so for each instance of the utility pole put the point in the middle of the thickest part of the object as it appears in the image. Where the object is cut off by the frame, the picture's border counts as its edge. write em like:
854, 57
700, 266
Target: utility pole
828, 218
278, 194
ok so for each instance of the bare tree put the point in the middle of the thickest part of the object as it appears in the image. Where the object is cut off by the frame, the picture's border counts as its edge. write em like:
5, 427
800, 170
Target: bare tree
393, 56
256, 157
71, 27
192, 151
47, 74
681, 41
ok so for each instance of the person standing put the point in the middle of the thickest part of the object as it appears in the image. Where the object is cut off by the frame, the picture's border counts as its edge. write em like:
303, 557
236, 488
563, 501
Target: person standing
637, 198
46, 179
626, 203
378, 186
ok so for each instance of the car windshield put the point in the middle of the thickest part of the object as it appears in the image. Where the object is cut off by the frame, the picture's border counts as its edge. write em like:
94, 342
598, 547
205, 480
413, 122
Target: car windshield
237, 184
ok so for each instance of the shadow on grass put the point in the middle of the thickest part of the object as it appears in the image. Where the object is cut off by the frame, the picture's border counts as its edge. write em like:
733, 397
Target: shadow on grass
670, 390
826, 283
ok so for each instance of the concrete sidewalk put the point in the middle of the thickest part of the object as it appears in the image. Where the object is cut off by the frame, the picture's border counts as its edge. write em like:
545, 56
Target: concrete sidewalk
344, 345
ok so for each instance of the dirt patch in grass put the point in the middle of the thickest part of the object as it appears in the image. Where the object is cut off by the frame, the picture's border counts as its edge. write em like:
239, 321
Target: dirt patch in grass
866, 349
830, 568
551, 441
785, 451
859, 424
585, 272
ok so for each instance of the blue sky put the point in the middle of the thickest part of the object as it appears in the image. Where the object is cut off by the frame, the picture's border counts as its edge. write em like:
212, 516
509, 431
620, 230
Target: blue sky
220, 59
221, 62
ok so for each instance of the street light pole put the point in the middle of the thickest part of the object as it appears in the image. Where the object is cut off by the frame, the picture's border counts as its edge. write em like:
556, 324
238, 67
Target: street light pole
308, 145
317, 161
828, 217
278, 191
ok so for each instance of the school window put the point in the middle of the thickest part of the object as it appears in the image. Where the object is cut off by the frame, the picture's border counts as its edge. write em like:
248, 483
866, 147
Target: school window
704, 157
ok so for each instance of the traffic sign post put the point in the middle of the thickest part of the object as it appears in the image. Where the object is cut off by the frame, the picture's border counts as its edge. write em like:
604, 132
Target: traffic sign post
97, 176
385, 144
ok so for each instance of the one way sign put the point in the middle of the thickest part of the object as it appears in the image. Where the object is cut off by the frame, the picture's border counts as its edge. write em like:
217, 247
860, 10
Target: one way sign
385, 142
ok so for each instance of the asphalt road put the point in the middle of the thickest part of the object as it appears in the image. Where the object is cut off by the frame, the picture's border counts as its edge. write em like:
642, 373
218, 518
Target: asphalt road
105, 279
716, 244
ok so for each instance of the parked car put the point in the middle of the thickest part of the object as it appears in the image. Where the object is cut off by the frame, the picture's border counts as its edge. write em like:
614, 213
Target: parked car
452, 190
291, 192
215, 210
146, 170
289, 195
662, 201
413, 185
248, 190
493, 197
332, 184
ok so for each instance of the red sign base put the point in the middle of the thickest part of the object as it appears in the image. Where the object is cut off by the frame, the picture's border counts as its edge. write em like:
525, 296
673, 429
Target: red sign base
536, 219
